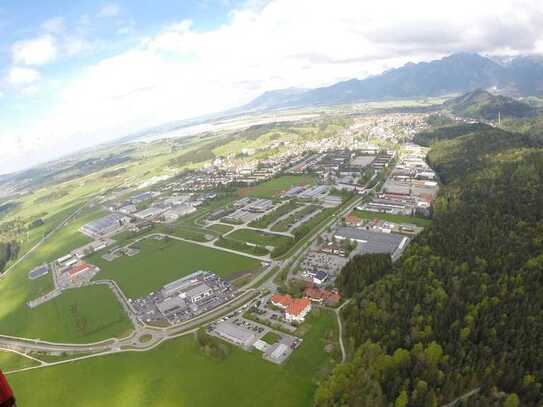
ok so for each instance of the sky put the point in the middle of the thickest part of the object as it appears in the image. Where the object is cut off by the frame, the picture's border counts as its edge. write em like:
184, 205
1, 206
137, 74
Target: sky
76, 73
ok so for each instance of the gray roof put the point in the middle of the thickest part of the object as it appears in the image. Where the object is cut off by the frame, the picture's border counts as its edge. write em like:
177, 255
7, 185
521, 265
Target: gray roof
371, 242
171, 304
233, 331
198, 290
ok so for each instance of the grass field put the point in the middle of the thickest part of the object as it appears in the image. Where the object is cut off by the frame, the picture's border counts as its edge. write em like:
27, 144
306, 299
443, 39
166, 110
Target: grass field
12, 361
422, 222
274, 187
53, 320
220, 228
259, 238
160, 262
178, 374
285, 224
79, 315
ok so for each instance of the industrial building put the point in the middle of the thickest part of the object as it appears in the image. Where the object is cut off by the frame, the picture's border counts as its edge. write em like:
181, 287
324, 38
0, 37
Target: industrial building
236, 334
104, 226
372, 242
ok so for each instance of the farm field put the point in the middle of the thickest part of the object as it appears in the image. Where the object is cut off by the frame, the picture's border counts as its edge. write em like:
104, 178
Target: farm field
163, 261
177, 373
422, 222
80, 315
274, 187
259, 238
11, 361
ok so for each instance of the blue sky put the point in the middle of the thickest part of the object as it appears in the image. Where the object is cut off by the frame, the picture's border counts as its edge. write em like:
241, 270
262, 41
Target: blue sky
77, 73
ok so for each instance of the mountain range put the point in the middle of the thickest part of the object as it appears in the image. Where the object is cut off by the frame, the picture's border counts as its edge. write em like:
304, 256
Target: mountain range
456, 73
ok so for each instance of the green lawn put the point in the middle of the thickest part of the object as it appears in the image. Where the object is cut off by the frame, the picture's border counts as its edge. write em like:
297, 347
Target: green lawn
161, 262
178, 374
274, 187
12, 361
422, 222
271, 337
53, 320
78, 315
220, 228
259, 238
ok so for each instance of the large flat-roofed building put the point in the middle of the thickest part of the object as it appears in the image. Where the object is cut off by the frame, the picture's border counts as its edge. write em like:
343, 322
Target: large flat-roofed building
171, 304
261, 205
372, 242
149, 213
182, 283
236, 334
198, 293
103, 226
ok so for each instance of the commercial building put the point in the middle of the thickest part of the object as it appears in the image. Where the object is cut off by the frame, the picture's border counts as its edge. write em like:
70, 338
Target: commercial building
260, 205
296, 309
182, 284
171, 304
104, 226
236, 334
319, 295
372, 242
198, 293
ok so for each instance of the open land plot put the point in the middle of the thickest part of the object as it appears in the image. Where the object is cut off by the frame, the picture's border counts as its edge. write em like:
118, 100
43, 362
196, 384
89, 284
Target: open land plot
162, 261
241, 246
415, 220
220, 228
285, 224
274, 187
269, 218
177, 373
81, 315
51, 321
12, 361
259, 238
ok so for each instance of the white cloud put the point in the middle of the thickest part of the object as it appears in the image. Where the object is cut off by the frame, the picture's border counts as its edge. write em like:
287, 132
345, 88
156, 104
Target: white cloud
18, 76
182, 71
54, 25
36, 51
110, 10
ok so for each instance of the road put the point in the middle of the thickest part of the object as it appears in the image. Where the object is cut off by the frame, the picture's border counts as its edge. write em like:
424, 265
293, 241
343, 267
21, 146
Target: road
340, 325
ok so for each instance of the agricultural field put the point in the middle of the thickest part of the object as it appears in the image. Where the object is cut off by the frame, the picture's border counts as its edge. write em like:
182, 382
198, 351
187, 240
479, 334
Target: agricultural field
415, 220
259, 238
81, 315
163, 261
274, 187
11, 361
177, 373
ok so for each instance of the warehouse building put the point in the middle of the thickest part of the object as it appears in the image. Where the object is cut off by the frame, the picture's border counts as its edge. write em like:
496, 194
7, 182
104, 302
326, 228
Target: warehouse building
372, 242
104, 226
236, 334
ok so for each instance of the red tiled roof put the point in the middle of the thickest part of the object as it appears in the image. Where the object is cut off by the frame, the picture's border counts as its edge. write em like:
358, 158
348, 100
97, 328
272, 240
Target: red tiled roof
298, 306
284, 300
321, 294
78, 268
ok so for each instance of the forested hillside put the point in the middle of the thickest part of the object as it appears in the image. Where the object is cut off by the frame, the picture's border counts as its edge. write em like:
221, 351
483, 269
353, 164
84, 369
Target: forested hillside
462, 312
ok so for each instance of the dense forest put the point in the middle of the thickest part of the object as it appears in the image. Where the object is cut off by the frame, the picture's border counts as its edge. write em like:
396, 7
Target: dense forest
460, 316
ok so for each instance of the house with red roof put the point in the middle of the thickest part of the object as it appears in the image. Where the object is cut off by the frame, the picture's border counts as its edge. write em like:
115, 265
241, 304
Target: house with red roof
296, 309
319, 295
